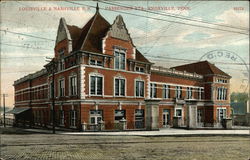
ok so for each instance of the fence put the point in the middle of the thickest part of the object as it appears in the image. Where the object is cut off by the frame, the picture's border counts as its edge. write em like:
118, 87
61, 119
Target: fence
8, 121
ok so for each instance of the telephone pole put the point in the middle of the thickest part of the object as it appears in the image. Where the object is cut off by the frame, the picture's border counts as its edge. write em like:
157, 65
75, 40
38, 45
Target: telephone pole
4, 95
53, 97
51, 68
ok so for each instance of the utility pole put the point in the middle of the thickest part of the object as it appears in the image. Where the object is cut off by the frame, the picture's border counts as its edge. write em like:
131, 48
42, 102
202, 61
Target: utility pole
51, 68
4, 95
53, 96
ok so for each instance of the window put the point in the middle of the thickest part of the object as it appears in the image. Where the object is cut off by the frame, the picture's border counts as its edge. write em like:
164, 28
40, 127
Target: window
166, 91
200, 93
189, 93
61, 65
73, 85
119, 59
139, 118
222, 81
72, 118
139, 69
96, 85
119, 87
139, 89
119, 114
221, 93
153, 90
178, 92
61, 114
61, 88
61, 52
51, 90
95, 116
96, 62
178, 112
199, 115
221, 114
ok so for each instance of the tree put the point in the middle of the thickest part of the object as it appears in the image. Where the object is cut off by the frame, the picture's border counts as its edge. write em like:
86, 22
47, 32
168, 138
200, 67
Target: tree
239, 97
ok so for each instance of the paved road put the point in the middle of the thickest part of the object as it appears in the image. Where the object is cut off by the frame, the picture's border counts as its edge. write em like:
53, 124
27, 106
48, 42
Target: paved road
72, 147
162, 132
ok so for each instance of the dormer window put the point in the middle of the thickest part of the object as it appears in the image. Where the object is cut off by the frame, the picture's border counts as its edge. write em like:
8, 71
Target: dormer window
119, 59
139, 69
96, 62
61, 52
61, 65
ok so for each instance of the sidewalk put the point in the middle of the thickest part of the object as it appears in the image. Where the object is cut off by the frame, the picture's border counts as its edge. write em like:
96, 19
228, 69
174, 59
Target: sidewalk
162, 132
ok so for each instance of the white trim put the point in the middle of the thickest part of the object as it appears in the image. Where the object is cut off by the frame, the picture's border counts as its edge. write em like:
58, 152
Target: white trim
69, 80
96, 75
125, 87
148, 86
140, 80
173, 84
153, 90
104, 44
120, 50
189, 91
82, 82
59, 89
111, 69
178, 107
134, 53
166, 91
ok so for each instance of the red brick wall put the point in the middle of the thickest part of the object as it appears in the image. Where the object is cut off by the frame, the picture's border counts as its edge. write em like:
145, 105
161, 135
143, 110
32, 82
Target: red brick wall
110, 42
61, 45
109, 80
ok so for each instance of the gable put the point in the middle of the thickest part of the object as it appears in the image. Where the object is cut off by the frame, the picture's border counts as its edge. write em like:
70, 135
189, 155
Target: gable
118, 30
62, 32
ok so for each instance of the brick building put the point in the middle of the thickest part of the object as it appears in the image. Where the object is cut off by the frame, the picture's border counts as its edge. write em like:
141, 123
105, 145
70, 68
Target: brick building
101, 78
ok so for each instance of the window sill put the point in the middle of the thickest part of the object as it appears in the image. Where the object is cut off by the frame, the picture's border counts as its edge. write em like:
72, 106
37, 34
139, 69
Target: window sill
72, 96
92, 95
73, 127
119, 96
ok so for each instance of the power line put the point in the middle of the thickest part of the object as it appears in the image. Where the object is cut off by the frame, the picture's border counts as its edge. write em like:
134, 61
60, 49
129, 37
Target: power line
28, 35
189, 60
160, 19
165, 30
174, 16
23, 57
39, 48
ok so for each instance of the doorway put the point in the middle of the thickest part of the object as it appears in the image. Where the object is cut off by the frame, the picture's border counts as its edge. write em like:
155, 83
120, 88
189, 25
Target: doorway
166, 118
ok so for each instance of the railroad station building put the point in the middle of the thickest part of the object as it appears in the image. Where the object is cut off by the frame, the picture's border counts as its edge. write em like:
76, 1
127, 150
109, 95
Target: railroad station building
101, 78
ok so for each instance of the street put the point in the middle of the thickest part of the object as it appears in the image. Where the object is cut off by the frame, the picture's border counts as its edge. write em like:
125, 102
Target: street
66, 147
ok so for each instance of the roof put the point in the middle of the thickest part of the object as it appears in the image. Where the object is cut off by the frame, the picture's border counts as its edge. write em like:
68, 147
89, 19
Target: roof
140, 57
75, 33
18, 110
202, 67
31, 76
90, 36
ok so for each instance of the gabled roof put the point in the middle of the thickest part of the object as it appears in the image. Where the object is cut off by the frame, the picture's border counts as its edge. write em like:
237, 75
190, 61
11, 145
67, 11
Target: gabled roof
75, 33
202, 67
140, 57
92, 34
89, 38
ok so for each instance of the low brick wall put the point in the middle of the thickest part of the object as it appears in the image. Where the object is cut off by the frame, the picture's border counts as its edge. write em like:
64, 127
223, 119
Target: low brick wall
241, 119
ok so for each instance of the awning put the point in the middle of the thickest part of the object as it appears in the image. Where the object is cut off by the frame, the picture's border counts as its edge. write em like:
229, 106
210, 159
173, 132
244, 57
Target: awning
18, 110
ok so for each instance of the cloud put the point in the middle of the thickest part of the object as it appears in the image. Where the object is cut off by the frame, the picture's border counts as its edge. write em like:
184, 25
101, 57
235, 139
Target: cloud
177, 33
234, 18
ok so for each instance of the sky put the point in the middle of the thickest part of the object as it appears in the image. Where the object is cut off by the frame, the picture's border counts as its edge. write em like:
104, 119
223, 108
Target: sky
163, 32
